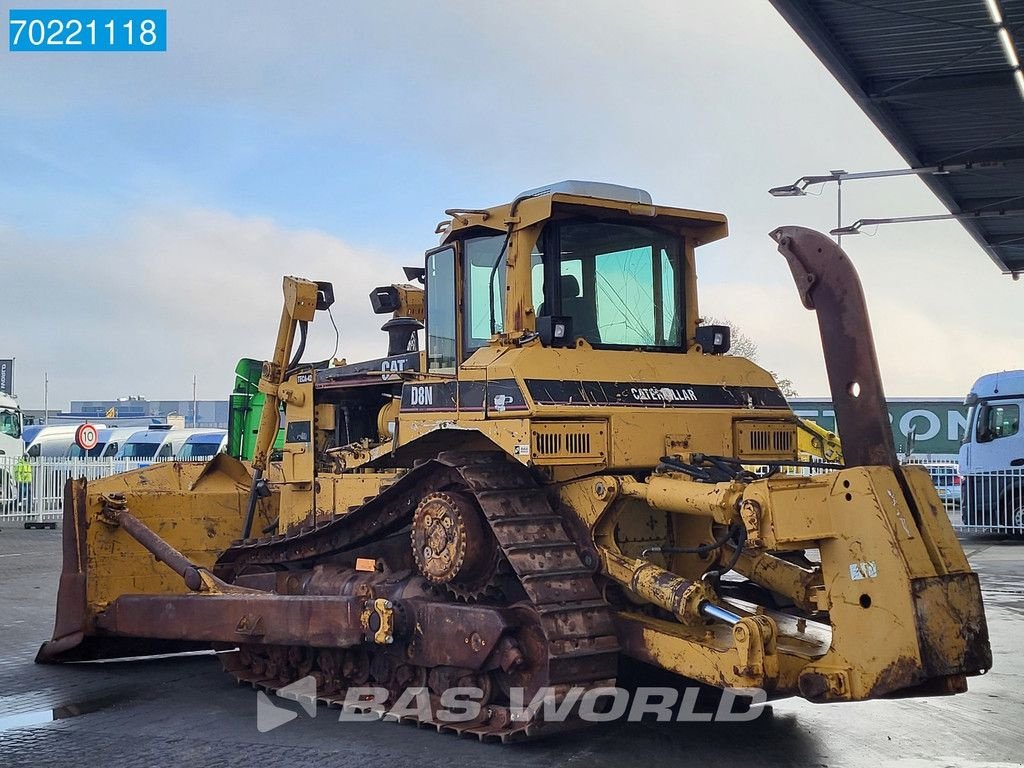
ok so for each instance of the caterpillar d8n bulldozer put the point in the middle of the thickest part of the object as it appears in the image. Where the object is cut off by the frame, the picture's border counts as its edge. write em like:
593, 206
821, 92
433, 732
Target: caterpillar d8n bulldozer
571, 473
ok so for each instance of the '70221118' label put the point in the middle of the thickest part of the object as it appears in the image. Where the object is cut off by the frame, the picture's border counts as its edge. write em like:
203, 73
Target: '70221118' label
65, 29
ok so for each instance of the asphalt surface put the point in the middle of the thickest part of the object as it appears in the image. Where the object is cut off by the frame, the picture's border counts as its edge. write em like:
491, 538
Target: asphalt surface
185, 711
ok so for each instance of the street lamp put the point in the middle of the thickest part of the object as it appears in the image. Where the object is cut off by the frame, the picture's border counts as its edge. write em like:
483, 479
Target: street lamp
799, 188
854, 229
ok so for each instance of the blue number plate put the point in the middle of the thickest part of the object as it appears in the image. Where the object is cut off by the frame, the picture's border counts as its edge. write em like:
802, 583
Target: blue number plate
87, 30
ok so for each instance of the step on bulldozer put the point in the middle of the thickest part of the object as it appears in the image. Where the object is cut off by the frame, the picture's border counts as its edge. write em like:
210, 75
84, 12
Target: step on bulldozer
571, 473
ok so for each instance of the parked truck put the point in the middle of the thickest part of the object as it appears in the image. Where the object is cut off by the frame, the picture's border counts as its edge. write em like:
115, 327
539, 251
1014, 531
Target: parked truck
12, 446
992, 454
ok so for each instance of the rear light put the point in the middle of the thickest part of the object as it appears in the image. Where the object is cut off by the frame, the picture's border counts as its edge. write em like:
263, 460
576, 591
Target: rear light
957, 479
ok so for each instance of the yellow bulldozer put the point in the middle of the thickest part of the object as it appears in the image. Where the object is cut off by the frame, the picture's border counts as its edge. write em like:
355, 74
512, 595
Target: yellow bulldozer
558, 481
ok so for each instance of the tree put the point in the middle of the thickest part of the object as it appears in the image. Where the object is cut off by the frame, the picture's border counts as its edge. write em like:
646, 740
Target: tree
741, 345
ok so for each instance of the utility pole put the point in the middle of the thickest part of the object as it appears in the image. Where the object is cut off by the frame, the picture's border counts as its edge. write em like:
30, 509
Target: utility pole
46, 400
195, 415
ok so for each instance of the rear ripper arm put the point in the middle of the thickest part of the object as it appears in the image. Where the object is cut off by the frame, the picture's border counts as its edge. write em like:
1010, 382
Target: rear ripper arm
904, 607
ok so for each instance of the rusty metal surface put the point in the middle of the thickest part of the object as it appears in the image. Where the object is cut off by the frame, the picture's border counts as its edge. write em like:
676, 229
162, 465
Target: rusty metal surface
385, 514
829, 285
471, 634
951, 625
451, 545
69, 624
560, 633
330, 622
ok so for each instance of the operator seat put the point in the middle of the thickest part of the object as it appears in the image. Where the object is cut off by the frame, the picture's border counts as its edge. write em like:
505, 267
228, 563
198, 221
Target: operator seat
582, 311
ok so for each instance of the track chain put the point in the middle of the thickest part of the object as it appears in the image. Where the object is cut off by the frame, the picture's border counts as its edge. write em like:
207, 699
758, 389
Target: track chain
582, 649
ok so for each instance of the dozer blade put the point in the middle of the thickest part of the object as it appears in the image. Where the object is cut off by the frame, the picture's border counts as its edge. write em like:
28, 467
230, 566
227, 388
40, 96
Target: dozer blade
198, 509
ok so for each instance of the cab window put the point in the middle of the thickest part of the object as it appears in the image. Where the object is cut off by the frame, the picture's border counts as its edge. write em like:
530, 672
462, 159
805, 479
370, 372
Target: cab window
996, 421
481, 255
440, 283
620, 283
10, 422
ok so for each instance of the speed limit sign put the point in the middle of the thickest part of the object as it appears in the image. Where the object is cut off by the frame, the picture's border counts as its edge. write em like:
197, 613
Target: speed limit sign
86, 437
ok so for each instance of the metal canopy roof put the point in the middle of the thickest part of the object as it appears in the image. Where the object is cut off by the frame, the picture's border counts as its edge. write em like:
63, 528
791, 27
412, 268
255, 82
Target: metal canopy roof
935, 78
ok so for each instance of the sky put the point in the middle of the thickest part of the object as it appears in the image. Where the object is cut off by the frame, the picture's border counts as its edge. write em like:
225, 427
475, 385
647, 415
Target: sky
150, 203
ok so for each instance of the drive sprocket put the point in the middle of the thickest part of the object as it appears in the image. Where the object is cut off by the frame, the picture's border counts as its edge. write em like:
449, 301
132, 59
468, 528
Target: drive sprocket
452, 544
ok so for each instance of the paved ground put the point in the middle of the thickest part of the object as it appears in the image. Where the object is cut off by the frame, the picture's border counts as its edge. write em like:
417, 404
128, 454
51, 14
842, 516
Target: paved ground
186, 712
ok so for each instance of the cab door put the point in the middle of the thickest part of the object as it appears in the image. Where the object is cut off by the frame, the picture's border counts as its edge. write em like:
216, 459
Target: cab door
997, 441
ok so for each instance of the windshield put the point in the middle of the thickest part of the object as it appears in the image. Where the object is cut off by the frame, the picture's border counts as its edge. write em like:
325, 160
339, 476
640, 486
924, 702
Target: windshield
77, 452
199, 450
621, 284
140, 450
10, 422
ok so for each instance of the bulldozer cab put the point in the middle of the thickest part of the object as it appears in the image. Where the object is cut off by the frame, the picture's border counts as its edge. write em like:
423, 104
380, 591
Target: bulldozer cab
574, 264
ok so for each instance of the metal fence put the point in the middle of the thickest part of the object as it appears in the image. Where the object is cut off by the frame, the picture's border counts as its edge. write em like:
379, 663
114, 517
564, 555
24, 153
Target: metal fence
39, 502
993, 502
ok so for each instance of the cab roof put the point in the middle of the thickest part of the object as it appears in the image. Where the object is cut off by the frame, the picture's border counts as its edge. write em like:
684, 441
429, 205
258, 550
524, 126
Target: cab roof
538, 204
1001, 383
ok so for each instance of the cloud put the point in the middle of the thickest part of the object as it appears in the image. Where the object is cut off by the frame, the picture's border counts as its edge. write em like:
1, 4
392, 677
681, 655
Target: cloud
174, 293
920, 352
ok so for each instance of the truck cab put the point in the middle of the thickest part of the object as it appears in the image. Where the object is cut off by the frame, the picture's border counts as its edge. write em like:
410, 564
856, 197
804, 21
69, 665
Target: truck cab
11, 443
992, 453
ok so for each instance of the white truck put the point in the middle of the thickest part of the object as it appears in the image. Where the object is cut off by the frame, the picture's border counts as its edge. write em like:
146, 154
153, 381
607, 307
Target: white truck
11, 443
992, 454
12, 446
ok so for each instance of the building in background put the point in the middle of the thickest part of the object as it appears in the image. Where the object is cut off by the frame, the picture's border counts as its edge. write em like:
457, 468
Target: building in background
208, 413
937, 423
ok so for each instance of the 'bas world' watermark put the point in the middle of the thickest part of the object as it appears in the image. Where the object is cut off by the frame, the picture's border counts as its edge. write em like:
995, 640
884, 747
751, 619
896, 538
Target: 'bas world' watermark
466, 704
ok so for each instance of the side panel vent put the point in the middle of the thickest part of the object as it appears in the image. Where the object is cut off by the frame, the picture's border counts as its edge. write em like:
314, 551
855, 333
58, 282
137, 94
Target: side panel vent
764, 440
569, 442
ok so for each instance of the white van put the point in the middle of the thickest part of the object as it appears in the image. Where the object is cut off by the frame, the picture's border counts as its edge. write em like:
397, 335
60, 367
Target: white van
54, 441
108, 444
201, 446
992, 453
152, 444
157, 444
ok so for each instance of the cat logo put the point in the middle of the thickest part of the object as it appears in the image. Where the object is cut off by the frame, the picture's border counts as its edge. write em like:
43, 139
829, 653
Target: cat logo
421, 396
390, 368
